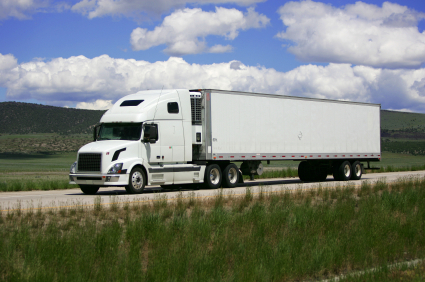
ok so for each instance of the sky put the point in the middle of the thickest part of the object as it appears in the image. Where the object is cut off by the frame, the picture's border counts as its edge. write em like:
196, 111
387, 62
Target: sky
89, 53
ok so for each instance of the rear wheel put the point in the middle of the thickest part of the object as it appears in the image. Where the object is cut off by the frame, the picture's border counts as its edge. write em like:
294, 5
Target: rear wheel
342, 171
356, 171
230, 176
89, 189
312, 171
322, 174
213, 176
304, 172
136, 182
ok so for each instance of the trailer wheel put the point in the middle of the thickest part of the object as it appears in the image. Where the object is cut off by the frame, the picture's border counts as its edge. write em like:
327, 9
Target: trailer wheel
89, 189
213, 176
304, 171
136, 182
322, 174
342, 171
230, 176
356, 170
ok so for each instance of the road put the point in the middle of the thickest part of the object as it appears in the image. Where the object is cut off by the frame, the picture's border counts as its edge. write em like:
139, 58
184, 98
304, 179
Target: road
55, 199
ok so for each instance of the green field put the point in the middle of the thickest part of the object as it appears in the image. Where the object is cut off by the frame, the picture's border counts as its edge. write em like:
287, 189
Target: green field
54, 162
279, 236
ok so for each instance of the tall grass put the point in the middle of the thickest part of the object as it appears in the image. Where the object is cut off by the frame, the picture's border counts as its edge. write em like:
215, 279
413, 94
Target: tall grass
36, 184
262, 236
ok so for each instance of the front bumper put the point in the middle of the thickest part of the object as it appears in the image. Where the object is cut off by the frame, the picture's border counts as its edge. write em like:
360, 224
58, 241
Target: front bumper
98, 179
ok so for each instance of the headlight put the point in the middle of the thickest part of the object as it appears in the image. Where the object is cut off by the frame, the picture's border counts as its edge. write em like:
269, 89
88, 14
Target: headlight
116, 168
73, 168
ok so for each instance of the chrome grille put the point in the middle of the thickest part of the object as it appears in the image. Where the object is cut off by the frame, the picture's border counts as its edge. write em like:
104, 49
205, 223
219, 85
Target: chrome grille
89, 162
196, 105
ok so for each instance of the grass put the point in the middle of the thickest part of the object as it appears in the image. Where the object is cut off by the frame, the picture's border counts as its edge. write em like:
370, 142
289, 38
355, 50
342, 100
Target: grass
260, 236
55, 162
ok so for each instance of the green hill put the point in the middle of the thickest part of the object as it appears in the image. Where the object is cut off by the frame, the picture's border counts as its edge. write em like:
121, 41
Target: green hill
26, 118
392, 120
402, 125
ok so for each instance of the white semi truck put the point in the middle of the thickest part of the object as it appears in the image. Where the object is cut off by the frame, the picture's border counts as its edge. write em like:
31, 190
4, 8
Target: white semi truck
180, 136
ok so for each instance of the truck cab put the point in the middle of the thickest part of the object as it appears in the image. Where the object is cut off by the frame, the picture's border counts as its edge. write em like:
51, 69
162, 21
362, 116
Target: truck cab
144, 139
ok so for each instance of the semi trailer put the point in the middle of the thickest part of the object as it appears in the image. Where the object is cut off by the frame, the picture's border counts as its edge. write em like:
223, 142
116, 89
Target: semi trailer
181, 136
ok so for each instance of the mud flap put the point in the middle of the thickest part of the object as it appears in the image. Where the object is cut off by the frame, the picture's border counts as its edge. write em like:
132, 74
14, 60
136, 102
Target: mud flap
240, 177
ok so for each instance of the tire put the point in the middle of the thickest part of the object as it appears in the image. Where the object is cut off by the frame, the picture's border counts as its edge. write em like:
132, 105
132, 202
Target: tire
342, 171
356, 170
136, 181
230, 176
213, 176
304, 171
311, 171
89, 189
322, 174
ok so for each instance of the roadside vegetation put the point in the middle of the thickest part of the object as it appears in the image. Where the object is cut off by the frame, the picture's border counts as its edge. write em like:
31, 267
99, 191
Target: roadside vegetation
263, 235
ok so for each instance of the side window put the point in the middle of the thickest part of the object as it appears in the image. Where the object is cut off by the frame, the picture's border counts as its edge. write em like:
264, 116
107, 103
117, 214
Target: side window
150, 133
173, 108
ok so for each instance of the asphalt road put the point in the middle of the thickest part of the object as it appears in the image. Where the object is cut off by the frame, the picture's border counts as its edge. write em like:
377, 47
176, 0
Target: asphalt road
55, 199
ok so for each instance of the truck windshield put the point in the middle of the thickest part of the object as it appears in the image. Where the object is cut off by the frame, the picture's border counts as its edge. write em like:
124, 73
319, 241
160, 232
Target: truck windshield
120, 131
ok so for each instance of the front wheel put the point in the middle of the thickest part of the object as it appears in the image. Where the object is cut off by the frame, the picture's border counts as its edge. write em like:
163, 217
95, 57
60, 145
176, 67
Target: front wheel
213, 176
230, 176
136, 182
89, 189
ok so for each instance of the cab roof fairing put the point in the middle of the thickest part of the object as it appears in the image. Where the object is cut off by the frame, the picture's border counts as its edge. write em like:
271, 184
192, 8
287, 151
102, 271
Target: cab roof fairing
143, 112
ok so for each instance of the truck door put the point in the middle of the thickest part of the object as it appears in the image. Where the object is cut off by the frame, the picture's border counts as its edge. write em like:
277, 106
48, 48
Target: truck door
152, 143
159, 147
159, 154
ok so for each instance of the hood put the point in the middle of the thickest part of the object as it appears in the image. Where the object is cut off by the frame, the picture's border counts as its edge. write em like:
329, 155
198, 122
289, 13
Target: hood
106, 146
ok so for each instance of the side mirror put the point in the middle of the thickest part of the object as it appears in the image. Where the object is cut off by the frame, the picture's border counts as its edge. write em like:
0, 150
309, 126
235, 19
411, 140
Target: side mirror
150, 133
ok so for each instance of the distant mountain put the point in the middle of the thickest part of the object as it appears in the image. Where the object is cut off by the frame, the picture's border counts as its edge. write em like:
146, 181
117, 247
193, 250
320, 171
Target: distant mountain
26, 118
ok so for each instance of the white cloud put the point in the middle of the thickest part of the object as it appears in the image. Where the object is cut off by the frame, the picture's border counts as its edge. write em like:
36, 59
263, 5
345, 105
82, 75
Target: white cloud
139, 9
20, 9
361, 34
99, 104
68, 81
220, 49
184, 31
23, 9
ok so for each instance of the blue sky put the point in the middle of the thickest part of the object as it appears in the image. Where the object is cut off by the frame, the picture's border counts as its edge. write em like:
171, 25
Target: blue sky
89, 53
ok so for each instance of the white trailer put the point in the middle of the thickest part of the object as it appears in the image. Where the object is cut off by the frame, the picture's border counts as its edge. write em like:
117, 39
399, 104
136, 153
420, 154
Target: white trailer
169, 137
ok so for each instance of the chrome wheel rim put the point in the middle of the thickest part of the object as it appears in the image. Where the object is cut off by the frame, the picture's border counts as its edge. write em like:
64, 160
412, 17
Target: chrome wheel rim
347, 171
137, 180
214, 176
232, 175
358, 170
